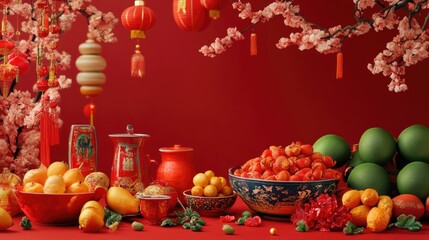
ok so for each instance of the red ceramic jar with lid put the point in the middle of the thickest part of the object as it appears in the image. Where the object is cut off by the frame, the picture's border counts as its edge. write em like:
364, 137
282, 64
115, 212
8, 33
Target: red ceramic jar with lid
176, 168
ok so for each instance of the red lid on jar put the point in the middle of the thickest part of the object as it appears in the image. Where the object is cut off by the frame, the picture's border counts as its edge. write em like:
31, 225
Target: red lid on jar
176, 148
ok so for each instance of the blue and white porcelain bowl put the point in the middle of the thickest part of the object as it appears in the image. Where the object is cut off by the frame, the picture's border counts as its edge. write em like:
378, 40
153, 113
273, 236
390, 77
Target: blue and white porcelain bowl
278, 198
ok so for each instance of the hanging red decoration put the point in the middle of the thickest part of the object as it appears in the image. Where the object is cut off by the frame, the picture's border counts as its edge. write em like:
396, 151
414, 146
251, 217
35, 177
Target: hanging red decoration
253, 45
339, 72
19, 59
89, 111
8, 72
190, 15
138, 19
214, 7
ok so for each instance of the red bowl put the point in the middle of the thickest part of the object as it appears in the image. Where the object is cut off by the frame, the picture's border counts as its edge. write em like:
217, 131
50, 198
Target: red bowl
61, 208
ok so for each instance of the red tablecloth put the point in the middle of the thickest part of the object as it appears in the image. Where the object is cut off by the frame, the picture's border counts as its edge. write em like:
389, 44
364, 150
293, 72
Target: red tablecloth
213, 230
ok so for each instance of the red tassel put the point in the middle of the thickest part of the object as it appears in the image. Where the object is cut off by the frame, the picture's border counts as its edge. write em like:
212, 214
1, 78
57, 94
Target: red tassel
253, 45
137, 63
54, 129
339, 74
45, 152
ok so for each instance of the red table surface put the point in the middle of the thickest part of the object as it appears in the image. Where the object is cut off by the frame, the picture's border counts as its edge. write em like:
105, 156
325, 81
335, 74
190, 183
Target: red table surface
213, 230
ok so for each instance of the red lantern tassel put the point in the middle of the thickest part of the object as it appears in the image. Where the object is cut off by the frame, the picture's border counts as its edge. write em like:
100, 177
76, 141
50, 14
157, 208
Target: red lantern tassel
91, 114
54, 129
137, 63
253, 45
339, 74
45, 152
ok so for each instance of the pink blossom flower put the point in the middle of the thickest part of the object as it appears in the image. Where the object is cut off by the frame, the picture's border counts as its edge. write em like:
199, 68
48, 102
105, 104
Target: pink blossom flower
363, 4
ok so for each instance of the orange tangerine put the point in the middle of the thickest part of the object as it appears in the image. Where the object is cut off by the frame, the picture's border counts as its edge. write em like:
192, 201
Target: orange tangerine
210, 173
227, 191
359, 215
201, 179
57, 168
197, 191
351, 198
215, 181
224, 182
210, 191
369, 197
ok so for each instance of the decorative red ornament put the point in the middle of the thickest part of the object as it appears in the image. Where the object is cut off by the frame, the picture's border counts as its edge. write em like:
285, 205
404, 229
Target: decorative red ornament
138, 19
138, 68
214, 6
190, 15
89, 111
6, 47
19, 59
339, 72
42, 85
253, 44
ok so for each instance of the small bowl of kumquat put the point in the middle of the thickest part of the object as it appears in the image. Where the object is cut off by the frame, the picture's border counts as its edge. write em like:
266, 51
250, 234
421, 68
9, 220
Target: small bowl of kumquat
210, 206
274, 183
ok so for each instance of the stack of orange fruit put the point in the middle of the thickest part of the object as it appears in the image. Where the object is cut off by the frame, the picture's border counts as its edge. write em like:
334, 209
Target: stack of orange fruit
56, 178
209, 185
368, 209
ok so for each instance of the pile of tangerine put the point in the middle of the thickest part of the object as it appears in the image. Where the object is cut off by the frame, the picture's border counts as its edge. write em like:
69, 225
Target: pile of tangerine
295, 162
207, 184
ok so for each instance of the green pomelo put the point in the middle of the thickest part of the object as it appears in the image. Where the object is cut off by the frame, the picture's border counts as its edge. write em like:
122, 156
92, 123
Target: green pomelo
413, 143
355, 160
376, 145
370, 175
414, 179
334, 146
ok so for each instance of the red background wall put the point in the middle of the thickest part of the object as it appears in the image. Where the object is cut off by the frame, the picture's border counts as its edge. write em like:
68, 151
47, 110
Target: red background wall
231, 107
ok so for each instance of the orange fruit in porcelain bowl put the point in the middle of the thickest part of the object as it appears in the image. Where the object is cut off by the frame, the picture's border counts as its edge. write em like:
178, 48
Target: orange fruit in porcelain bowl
54, 184
33, 187
201, 179
57, 168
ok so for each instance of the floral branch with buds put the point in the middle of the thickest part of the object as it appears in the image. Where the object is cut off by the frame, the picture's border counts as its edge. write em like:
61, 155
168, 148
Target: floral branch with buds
407, 48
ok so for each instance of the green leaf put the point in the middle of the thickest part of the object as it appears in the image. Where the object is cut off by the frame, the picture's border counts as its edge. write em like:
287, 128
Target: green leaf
408, 222
302, 226
350, 228
167, 223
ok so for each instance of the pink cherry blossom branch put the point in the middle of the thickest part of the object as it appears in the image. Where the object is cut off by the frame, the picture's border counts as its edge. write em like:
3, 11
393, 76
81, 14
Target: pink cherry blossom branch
409, 47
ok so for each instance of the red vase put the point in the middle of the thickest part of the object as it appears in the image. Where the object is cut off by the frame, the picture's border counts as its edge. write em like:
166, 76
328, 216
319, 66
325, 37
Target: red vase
127, 165
176, 168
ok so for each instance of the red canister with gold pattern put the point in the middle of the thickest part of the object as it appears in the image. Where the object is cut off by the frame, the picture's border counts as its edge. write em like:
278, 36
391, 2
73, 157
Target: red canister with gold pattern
176, 168
127, 164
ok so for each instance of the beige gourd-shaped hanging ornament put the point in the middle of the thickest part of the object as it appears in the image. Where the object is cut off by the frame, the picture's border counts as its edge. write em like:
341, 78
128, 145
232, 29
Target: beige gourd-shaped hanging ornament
91, 65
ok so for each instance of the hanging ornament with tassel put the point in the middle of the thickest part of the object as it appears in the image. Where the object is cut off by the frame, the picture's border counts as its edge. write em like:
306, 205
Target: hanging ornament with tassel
253, 44
91, 77
138, 19
339, 72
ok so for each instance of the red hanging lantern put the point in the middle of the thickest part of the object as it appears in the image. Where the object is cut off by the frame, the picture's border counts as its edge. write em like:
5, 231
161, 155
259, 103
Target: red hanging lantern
8, 72
190, 15
214, 6
19, 59
138, 19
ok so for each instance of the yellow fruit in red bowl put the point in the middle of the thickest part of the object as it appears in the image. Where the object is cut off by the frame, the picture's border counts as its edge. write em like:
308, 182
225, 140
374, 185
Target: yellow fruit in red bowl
97, 179
55, 208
